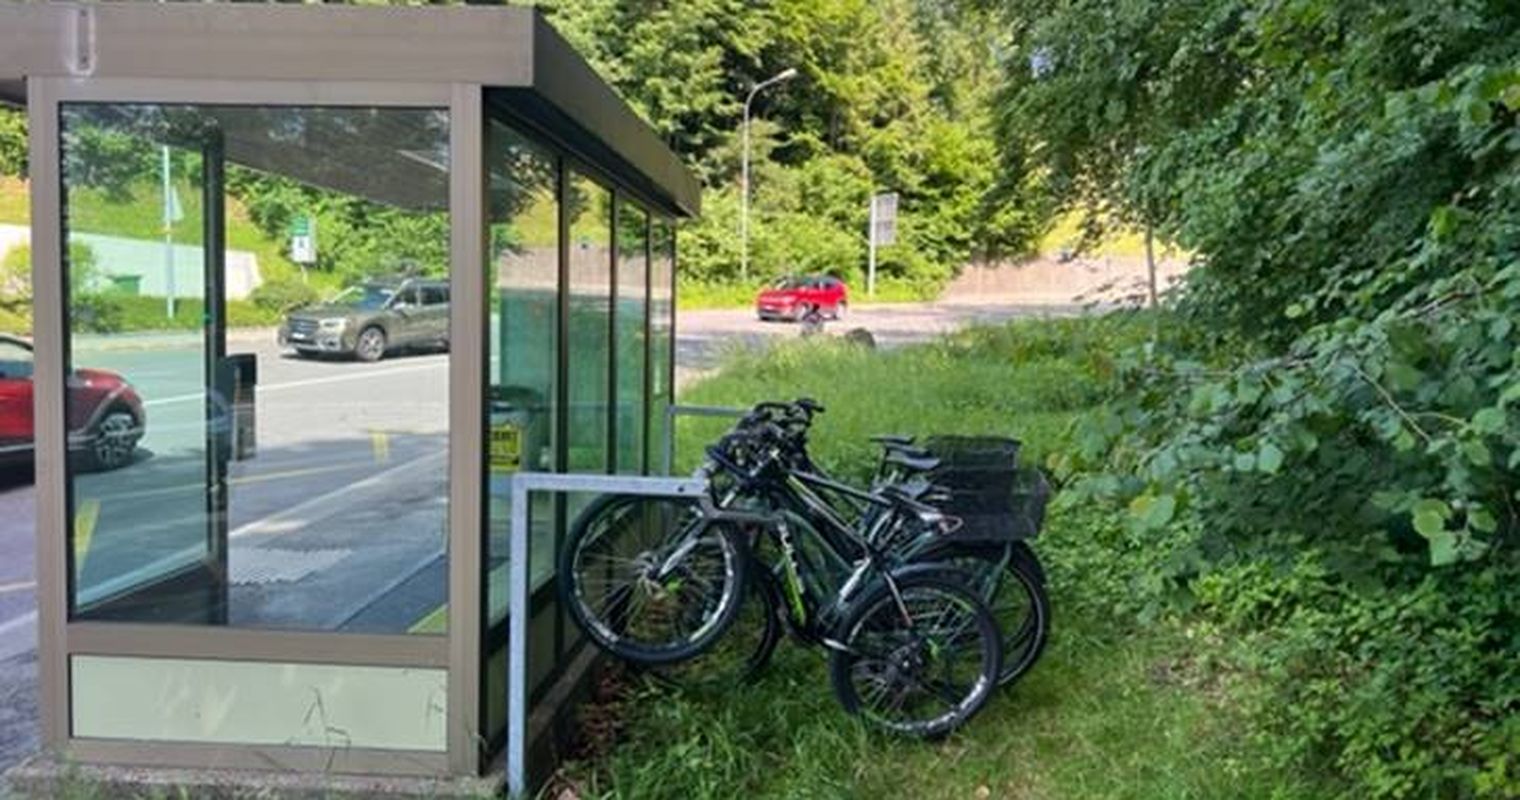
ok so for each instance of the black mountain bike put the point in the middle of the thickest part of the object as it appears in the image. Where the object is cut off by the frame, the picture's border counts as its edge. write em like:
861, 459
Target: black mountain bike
1002, 570
658, 580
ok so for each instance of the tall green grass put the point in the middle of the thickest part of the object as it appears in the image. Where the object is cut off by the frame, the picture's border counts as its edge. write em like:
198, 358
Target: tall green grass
1113, 710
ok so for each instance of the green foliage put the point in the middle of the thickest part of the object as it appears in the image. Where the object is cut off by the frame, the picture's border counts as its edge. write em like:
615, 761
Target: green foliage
1322, 438
16, 290
279, 296
356, 238
120, 313
13, 145
891, 96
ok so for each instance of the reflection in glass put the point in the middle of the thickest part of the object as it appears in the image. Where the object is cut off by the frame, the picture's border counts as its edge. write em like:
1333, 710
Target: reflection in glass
662, 248
219, 476
590, 209
524, 218
631, 349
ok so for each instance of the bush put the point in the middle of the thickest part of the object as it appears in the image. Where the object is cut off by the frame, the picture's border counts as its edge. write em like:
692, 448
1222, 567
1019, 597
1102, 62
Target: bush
16, 278
1294, 503
281, 295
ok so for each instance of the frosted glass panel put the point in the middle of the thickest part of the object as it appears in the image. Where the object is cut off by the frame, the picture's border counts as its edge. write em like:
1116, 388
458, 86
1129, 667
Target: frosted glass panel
259, 703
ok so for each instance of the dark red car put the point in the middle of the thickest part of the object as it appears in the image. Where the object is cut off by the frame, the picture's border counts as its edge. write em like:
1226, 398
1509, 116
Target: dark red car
790, 298
105, 415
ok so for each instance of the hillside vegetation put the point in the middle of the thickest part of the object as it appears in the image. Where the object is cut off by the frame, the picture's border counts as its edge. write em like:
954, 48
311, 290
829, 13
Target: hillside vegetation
1323, 437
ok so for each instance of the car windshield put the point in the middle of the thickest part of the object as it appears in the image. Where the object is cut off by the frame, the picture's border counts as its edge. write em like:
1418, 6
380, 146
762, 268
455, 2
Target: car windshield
364, 298
788, 283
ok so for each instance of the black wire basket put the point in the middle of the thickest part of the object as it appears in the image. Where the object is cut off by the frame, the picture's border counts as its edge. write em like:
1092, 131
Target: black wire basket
995, 499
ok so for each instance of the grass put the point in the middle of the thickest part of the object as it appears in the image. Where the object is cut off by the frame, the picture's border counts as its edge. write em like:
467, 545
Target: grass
140, 217
1113, 710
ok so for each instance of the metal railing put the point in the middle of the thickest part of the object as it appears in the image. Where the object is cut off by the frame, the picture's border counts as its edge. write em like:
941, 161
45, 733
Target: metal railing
673, 411
523, 484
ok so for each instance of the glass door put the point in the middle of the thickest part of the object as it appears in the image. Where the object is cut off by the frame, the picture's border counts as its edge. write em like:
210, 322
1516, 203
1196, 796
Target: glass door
147, 382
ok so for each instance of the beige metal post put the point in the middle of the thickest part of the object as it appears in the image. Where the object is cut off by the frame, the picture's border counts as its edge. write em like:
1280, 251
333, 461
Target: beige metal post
467, 375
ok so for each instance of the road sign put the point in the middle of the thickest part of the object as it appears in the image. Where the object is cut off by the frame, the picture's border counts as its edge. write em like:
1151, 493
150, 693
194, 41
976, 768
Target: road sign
883, 230
303, 240
884, 218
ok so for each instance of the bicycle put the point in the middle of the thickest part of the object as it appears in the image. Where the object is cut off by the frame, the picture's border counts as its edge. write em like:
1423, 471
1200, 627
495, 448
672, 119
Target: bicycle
657, 581
1005, 572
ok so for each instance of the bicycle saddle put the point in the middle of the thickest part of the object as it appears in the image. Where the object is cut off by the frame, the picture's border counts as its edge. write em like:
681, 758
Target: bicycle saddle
910, 450
909, 461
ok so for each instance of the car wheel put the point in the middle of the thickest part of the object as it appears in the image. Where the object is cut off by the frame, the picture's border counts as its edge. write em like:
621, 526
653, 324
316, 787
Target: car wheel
115, 440
371, 345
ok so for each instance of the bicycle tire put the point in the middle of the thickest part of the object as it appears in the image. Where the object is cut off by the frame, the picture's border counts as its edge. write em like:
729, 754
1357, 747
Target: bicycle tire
602, 625
1023, 642
892, 658
762, 606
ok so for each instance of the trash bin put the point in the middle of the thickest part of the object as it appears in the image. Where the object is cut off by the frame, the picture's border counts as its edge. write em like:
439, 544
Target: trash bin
519, 431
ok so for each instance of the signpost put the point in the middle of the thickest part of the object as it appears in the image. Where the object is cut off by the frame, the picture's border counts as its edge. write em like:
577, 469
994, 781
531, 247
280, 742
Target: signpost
173, 213
303, 242
883, 231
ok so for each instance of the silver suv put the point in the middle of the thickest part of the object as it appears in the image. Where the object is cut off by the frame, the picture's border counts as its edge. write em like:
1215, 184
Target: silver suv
372, 319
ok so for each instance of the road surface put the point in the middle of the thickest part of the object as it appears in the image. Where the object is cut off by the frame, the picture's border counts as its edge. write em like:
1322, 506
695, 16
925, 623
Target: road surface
337, 523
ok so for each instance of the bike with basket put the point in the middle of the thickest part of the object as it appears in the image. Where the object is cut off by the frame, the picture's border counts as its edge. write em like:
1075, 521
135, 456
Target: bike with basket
871, 575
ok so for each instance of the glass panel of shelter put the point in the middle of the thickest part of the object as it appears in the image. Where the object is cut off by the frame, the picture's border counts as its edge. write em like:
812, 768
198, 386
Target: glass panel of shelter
290, 483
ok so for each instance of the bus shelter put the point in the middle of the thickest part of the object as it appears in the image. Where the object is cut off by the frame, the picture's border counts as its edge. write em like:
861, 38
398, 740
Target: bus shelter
313, 287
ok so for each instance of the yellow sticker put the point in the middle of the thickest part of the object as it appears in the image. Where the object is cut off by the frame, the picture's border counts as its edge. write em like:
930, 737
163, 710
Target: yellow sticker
506, 447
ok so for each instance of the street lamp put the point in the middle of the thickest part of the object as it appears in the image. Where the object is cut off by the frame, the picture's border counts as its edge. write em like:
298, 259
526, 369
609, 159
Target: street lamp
784, 75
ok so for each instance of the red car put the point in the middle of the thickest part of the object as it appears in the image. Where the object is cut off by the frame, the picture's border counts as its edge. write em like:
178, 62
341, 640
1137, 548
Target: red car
790, 298
105, 415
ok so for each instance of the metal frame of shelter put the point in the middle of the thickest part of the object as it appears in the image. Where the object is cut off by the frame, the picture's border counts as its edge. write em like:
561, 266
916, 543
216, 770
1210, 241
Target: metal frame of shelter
478, 65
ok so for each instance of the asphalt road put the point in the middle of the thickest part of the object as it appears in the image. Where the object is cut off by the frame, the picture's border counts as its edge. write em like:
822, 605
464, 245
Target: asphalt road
337, 523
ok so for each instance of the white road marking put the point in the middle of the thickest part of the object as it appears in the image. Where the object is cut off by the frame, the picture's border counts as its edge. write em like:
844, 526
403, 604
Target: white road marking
273, 521
285, 521
275, 387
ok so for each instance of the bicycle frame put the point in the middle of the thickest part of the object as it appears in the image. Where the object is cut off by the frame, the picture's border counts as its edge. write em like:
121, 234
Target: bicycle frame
798, 493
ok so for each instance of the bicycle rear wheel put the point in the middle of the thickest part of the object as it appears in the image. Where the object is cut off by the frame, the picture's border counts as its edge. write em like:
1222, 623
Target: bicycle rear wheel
650, 579
741, 655
920, 662
1015, 595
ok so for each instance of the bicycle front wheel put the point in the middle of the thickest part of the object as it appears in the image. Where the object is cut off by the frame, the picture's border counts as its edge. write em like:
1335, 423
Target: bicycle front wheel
650, 579
921, 661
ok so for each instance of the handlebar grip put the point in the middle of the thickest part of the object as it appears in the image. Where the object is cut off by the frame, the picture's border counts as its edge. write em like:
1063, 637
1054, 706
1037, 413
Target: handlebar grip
809, 405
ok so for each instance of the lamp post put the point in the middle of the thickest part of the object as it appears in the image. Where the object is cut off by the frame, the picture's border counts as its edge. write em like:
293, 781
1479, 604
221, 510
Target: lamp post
784, 75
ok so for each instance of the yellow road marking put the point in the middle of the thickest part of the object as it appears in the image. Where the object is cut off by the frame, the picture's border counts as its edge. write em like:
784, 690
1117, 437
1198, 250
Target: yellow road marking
85, 518
436, 622
380, 441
